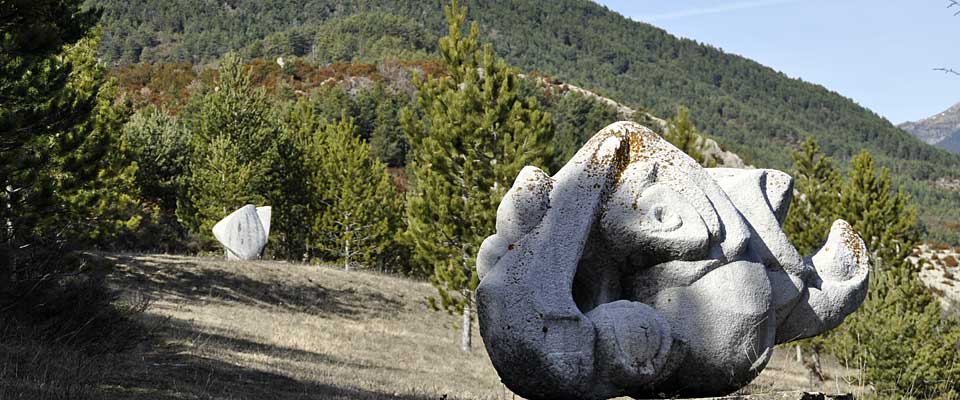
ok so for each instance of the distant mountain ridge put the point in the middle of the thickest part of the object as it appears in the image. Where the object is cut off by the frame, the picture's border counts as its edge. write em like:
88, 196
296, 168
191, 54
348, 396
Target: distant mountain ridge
941, 130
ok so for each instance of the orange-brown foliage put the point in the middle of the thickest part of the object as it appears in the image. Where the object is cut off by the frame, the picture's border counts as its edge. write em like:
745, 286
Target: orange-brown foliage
950, 261
165, 84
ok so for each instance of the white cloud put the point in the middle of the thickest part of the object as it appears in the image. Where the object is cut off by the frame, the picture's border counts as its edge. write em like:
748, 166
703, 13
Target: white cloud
714, 9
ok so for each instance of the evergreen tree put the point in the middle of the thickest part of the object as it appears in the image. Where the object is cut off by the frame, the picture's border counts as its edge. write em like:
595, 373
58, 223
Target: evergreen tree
64, 176
221, 182
290, 181
576, 119
387, 140
94, 174
37, 108
231, 140
160, 144
814, 208
473, 138
682, 134
886, 220
358, 206
897, 335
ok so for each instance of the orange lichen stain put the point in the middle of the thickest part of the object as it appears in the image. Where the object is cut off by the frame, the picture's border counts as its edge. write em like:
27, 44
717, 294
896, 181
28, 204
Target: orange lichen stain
637, 147
851, 240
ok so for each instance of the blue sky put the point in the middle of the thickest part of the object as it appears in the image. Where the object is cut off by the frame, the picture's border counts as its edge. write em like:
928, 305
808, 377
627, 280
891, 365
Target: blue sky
880, 53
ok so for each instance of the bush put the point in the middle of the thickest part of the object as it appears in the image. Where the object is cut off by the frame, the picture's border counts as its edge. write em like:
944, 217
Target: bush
905, 347
950, 261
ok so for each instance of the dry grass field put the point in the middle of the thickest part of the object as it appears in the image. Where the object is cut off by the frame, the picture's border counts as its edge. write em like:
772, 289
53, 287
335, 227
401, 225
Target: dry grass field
273, 330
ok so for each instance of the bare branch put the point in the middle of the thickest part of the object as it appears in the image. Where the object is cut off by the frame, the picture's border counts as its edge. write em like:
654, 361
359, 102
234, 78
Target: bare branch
954, 3
948, 70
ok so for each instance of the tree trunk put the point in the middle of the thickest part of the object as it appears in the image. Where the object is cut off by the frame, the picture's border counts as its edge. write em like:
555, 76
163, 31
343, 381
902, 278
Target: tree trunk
346, 255
7, 261
816, 364
226, 252
466, 334
9, 212
799, 355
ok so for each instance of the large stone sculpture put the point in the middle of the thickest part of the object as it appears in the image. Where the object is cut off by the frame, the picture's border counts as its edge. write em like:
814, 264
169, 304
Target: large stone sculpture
244, 232
634, 271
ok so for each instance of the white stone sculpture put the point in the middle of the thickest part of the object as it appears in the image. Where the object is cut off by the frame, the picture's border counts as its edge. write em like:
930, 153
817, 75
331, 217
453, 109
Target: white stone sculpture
634, 271
244, 232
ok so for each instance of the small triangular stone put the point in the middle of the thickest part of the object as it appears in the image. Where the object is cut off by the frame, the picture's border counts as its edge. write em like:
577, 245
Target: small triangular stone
242, 233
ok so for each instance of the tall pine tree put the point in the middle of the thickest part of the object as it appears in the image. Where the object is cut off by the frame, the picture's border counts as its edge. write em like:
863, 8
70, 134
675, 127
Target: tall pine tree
814, 209
36, 108
94, 173
291, 189
232, 138
357, 202
474, 136
897, 336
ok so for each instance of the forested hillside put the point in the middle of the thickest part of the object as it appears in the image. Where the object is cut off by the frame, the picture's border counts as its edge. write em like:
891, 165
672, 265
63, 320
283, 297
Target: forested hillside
750, 109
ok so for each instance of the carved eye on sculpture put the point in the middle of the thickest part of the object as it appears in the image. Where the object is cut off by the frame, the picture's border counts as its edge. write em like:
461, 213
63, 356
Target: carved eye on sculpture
654, 222
654, 215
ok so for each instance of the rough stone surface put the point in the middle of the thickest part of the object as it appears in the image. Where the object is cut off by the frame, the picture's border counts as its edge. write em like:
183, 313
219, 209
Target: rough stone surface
634, 271
244, 232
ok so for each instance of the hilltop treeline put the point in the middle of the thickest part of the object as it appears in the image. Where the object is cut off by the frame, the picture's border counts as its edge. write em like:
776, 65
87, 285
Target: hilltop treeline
750, 109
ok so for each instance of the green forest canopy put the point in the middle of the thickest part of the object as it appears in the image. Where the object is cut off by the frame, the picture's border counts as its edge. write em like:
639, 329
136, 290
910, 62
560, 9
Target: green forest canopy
750, 109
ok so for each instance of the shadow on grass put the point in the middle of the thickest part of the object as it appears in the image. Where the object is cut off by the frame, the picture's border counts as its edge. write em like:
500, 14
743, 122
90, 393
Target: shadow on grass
189, 280
181, 360
172, 371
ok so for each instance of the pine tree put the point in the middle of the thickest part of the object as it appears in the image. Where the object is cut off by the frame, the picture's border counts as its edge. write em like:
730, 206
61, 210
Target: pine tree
358, 207
886, 220
232, 138
682, 134
74, 180
291, 189
37, 108
94, 174
221, 182
814, 208
576, 118
65, 179
811, 213
897, 335
160, 144
473, 138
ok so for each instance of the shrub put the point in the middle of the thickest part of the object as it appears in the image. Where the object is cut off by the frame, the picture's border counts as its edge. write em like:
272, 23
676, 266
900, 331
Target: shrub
950, 261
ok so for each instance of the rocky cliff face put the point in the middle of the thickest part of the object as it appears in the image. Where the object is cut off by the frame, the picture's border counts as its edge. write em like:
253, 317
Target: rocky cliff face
941, 130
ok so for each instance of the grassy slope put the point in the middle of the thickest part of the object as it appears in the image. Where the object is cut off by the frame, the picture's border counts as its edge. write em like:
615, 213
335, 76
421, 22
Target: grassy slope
271, 330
